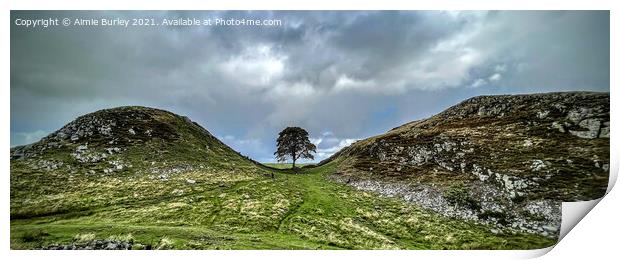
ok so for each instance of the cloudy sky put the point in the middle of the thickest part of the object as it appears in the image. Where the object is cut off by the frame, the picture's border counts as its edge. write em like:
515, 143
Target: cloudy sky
341, 75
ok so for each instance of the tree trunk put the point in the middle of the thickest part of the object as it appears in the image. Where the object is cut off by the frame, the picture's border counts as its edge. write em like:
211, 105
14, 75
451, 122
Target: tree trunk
294, 159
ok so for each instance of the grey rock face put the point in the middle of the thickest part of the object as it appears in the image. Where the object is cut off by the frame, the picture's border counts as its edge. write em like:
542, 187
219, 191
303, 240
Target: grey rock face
593, 126
541, 217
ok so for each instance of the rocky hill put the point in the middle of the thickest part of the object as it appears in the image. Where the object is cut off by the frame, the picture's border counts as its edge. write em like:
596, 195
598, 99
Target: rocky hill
109, 144
503, 160
115, 139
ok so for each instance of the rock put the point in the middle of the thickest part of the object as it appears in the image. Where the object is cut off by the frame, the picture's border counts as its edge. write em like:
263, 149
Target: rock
605, 167
479, 172
18, 154
579, 114
537, 165
550, 228
604, 132
190, 181
558, 126
542, 114
111, 246
593, 126
113, 150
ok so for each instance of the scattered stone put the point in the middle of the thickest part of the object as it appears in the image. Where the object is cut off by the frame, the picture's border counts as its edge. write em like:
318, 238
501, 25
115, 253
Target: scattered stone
542, 114
99, 245
604, 132
558, 126
593, 126
113, 150
537, 165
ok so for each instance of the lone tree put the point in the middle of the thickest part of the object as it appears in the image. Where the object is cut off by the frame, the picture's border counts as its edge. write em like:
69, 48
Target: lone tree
293, 142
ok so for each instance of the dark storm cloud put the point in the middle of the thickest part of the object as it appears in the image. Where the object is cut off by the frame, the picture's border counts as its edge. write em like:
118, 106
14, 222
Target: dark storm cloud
340, 75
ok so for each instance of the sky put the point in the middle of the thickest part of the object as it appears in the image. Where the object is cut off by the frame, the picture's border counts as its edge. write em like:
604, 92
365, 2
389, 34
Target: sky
341, 75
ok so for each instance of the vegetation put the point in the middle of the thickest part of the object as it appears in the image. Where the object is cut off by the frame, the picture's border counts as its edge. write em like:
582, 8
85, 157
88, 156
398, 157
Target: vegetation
223, 211
286, 165
458, 194
293, 142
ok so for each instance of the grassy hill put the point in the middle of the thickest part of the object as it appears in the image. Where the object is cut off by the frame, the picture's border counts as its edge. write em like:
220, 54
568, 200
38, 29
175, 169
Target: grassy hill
508, 161
142, 178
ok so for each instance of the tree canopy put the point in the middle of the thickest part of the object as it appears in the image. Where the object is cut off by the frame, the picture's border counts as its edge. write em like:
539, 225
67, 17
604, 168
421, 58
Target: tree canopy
293, 143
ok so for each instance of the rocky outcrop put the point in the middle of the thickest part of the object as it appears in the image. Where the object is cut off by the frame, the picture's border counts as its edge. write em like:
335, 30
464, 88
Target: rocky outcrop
485, 206
99, 245
109, 129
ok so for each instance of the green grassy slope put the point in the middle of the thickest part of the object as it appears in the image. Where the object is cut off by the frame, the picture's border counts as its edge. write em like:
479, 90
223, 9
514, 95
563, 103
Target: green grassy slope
291, 211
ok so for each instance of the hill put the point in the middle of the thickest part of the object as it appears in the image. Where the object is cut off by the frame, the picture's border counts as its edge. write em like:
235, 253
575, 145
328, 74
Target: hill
102, 146
504, 160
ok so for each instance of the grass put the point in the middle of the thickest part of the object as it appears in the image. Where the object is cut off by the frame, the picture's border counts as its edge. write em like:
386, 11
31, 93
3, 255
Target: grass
286, 165
290, 211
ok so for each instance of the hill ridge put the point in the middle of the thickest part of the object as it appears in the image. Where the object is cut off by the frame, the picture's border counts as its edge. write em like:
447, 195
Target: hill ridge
490, 155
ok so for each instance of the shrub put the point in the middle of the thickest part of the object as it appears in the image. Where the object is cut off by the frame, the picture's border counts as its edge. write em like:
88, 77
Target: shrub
459, 194
34, 236
500, 216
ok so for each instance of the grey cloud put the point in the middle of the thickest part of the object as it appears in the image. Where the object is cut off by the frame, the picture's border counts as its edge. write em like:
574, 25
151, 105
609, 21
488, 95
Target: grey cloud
354, 74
